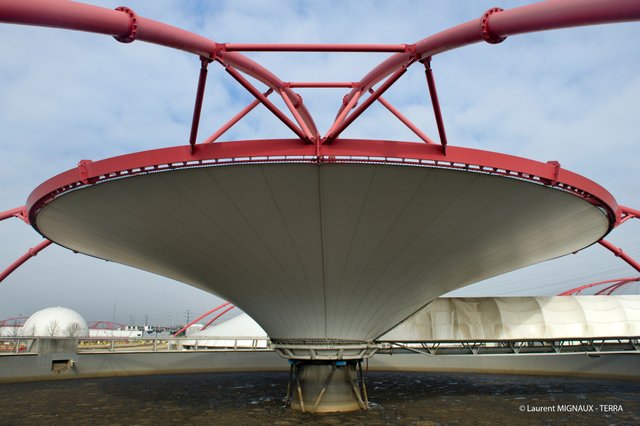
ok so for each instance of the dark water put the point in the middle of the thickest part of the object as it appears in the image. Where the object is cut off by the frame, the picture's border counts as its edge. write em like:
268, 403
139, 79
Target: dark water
257, 398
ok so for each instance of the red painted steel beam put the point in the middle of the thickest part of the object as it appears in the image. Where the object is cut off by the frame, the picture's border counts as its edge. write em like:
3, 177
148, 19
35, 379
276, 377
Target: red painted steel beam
33, 251
218, 316
619, 253
267, 103
415, 129
292, 108
197, 108
427, 155
322, 84
8, 321
301, 47
610, 289
202, 316
108, 325
339, 127
126, 26
229, 124
627, 213
19, 212
541, 16
435, 103
586, 286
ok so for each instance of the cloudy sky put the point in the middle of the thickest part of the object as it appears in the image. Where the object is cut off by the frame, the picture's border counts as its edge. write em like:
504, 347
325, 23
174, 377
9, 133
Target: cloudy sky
569, 95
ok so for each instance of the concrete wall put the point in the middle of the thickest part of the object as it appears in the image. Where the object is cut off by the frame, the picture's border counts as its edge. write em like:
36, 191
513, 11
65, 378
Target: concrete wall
52, 359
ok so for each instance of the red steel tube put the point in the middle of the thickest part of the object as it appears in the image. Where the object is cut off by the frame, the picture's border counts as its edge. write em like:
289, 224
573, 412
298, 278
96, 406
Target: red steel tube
82, 17
586, 286
619, 253
610, 289
300, 47
435, 103
541, 16
630, 212
322, 84
218, 316
415, 129
197, 108
266, 102
19, 212
339, 128
200, 317
33, 251
229, 124
298, 118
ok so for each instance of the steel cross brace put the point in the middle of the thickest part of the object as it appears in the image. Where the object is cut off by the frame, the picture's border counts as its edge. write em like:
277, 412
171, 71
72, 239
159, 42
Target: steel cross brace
267, 103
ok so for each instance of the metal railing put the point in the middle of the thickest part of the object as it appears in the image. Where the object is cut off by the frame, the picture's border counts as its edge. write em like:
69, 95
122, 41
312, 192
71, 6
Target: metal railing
596, 345
27, 344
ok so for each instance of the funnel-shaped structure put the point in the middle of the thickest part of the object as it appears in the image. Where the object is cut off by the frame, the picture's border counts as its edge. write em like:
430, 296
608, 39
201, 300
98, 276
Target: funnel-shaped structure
320, 251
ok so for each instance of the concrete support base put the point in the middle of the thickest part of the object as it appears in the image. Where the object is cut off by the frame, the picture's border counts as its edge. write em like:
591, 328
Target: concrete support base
325, 386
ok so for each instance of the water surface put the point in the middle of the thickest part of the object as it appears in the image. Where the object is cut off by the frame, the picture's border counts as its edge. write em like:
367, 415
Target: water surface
257, 398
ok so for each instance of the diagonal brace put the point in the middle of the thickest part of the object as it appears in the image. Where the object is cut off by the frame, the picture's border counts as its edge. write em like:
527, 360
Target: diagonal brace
266, 102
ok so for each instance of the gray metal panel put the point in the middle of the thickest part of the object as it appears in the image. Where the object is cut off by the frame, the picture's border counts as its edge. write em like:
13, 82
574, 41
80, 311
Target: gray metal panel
315, 251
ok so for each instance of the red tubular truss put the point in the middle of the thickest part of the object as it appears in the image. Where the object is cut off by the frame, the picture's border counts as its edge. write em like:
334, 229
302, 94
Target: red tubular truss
106, 325
206, 314
19, 212
541, 16
292, 47
493, 27
218, 316
627, 213
13, 322
126, 26
619, 253
33, 251
616, 283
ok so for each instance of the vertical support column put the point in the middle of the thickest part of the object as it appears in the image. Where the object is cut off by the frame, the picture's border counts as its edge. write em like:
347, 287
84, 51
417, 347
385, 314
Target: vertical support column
326, 386
431, 83
197, 108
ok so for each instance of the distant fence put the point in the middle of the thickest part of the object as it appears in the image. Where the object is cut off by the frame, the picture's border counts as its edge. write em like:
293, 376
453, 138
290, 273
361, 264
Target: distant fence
16, 345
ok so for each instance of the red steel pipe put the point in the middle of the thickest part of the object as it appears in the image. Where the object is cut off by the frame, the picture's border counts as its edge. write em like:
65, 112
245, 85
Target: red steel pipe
339, 127
322, 84
298, 118
197, 108
200, 317
415, 129
267, 103
431, 83
619, 253
19, 212
33, 251
229, 124
541, 16
586, 286
299, 47
218, 316
626, 213
82, 17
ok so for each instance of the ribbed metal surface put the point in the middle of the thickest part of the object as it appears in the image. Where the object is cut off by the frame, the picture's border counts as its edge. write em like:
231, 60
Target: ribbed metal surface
323, 251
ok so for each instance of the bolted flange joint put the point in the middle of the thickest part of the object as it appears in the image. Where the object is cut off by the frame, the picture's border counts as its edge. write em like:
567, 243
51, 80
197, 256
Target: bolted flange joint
134, 25
484, 25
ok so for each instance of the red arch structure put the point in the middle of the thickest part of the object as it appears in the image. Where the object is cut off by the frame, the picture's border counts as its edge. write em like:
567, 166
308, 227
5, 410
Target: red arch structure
611, 286
310, 144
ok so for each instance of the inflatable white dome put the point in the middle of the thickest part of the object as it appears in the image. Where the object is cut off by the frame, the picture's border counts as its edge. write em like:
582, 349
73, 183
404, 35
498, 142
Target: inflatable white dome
56, 322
